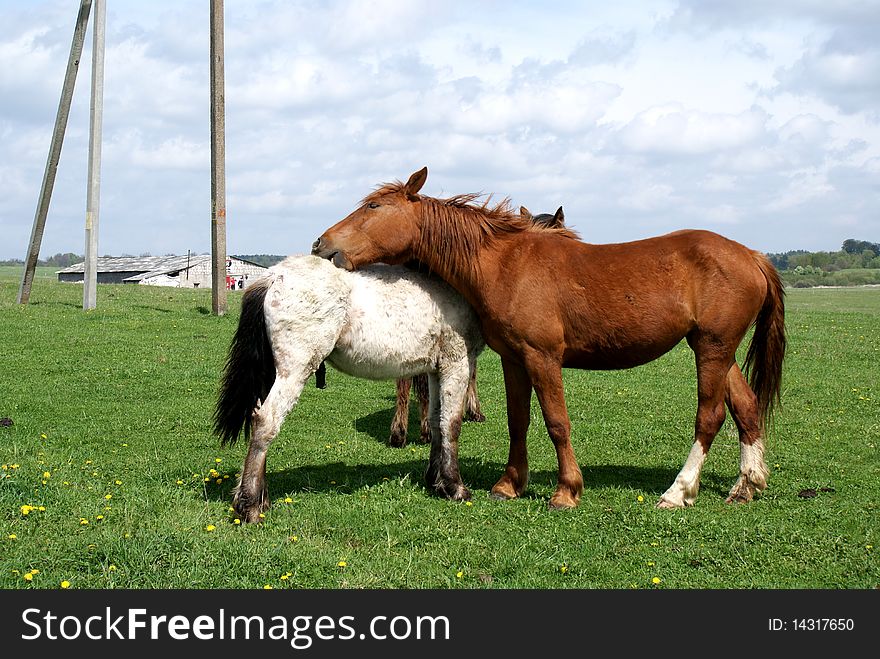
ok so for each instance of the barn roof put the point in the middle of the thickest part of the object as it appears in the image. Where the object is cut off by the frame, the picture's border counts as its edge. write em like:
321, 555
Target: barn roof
152, 265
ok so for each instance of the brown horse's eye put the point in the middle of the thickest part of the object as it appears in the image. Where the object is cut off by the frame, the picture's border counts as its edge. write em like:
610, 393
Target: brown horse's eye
373, 205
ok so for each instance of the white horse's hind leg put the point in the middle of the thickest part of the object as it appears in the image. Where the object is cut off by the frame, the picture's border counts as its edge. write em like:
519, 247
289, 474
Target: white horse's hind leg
447, 393
251, 496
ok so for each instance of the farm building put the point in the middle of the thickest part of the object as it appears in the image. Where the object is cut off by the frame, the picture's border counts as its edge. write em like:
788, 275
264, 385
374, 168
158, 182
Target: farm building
192, 271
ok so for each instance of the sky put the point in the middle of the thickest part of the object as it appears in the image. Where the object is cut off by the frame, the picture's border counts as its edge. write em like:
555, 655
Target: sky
757, 119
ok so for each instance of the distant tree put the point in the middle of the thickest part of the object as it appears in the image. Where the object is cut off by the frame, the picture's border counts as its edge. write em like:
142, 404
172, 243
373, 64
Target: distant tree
853, 246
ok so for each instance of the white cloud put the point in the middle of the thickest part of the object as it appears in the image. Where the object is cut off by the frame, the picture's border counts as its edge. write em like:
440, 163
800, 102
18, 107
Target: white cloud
672, 129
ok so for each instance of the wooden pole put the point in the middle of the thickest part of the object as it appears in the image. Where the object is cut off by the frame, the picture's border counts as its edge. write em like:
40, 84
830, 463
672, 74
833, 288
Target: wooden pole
30, 264
93, 200
218, 164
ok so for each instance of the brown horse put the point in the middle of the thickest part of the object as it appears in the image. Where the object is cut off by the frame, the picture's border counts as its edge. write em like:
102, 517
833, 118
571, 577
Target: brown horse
547, 300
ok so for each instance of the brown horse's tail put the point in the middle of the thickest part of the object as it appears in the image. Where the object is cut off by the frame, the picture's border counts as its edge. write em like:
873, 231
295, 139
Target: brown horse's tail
763, 364
250, 368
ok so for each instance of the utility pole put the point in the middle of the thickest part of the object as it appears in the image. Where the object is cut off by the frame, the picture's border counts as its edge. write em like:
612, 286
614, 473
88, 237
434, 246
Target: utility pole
218, 164
93, 200
30, 264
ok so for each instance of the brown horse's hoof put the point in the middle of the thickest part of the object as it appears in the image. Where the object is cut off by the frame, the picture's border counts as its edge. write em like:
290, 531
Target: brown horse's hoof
564, 498
397, 440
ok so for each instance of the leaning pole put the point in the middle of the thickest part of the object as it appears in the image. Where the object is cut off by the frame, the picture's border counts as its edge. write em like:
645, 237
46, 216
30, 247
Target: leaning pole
218, 164
30, 263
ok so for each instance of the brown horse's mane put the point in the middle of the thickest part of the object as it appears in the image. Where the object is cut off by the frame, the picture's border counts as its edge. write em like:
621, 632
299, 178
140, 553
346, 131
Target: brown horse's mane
454, 229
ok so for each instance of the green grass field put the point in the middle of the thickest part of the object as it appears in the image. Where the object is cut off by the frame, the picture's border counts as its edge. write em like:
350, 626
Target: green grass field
111, 477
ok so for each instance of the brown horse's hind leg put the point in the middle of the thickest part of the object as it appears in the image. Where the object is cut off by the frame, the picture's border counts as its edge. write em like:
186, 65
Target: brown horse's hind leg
518, 387
472, 410
420, 384
400, 424
743, 405
251, 496
711, 387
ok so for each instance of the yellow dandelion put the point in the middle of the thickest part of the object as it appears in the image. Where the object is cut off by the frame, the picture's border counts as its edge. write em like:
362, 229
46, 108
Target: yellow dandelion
118, 482
640, 498
210, 527
650, 563
284, 577
268, 586
83, 521
43, 436
47, 475
111, 568
655, 580
469, 503
219, 481
179, 482
26, 509
35, 571
108, 496
262, 516
294, 538
65, 584
12, 536
288, 500
218, 460
459, 574
99, 517
236, 521
28, 577
342, 564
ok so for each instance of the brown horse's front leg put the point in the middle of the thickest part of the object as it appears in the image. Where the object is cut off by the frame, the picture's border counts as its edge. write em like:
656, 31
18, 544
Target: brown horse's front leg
547, 379
518, 387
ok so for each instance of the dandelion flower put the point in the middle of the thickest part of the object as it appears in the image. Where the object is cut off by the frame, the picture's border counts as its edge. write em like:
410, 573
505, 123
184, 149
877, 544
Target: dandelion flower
218, 460
99, 517
459, 574
118, 482
179, 482
108, 496
236, 521
47, 475
43, 436
640, 498
469, 503
288, 500
210, 527
111, 568
28, 576
342, 564
65, 584
268, 586
83, 521
26, 509
655, 580
284, 577
563, 568
12, 536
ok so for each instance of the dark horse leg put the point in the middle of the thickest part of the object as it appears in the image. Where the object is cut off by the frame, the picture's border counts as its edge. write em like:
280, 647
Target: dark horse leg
518, 387
251, 497
420, 384
400, 423
713, 364
401, 414
472, 410
743, 406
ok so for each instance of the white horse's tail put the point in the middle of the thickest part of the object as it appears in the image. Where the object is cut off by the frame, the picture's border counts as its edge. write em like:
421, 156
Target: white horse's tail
250, 368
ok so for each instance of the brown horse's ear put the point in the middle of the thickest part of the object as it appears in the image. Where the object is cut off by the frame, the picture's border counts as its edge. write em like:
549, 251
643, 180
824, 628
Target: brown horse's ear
415, 183
524, 213
559, 218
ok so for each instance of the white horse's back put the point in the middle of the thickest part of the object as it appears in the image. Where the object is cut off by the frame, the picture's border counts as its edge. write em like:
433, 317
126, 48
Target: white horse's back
382, 322
400, 322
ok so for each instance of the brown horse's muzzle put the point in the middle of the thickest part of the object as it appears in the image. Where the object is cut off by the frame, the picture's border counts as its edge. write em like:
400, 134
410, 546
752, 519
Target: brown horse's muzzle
326, 250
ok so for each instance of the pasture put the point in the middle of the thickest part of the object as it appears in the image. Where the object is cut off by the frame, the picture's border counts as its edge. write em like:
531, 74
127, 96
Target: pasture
111, 477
